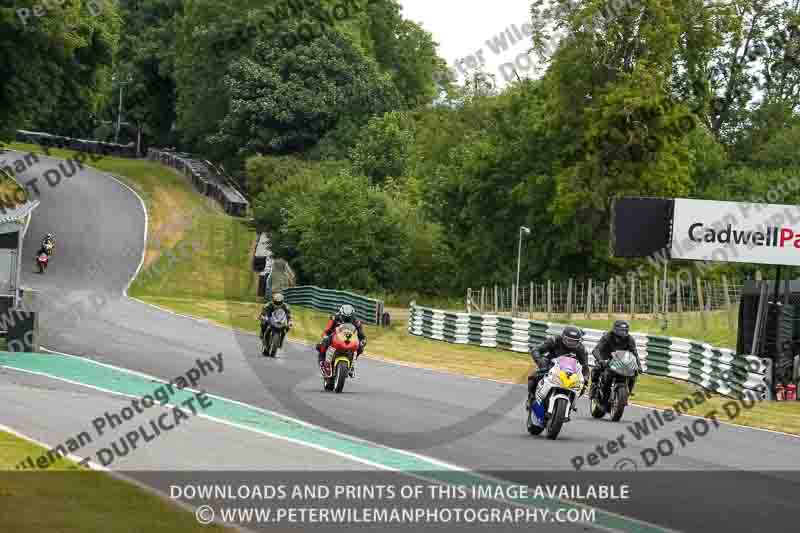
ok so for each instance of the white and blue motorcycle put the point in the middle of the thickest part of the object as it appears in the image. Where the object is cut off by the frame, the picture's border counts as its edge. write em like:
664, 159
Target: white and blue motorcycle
556, 394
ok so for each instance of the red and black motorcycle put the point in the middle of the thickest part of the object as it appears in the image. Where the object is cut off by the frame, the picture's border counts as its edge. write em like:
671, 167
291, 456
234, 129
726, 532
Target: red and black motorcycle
340, 355
41, 260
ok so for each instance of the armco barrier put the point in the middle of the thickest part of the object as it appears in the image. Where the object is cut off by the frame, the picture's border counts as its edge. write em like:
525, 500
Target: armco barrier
693, 361
80, 145
206, 178
367, 309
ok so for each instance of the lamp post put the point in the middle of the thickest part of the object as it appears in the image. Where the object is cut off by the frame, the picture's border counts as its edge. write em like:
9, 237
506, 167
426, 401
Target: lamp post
122, 82
519, 261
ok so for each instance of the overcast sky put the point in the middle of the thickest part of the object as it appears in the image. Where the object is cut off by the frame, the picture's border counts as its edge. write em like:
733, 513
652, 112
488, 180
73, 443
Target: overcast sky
462, 27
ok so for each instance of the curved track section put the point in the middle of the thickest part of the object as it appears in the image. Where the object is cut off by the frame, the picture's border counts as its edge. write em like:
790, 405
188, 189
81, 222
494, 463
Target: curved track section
99, 224
730, 478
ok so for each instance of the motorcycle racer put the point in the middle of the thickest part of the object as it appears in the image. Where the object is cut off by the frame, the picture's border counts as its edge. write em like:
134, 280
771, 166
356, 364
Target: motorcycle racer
569, 342
48, 244
618, 338
276, 303
346, 315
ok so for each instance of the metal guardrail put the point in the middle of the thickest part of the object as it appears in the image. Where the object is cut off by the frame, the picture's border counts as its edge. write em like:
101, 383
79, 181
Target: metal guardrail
716, 369
81, 145
206, 179
367, 309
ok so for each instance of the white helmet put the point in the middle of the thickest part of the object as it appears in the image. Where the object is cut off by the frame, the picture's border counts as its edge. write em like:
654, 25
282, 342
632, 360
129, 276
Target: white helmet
347, 311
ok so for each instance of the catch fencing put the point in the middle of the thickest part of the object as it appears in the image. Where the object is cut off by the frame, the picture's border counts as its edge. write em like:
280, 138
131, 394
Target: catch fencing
367, 309
716, 369
207, 178
620, 295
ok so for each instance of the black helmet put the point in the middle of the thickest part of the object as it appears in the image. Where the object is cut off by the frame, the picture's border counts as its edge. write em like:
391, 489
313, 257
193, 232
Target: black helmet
571, 337
346, 312
621, 329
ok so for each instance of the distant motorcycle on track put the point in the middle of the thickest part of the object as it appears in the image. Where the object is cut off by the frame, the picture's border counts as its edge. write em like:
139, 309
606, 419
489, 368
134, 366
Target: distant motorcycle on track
41, 260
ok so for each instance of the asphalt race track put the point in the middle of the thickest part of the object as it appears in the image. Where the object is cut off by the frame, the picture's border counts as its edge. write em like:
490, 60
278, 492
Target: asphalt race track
729, 478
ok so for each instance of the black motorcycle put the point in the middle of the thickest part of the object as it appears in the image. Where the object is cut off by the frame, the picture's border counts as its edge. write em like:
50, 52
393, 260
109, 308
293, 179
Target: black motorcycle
610, 394
274, 333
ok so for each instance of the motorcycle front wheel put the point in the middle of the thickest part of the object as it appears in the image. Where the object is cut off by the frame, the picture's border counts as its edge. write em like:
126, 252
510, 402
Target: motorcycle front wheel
618, 402
555, 421
274, 342
596, 408
265, 344
340, 376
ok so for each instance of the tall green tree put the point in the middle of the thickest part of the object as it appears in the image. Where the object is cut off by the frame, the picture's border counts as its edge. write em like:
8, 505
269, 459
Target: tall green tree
284, 99
54, 68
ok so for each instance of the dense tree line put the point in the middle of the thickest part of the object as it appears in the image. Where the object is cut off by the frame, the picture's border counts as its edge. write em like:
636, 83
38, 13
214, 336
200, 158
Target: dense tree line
372, 173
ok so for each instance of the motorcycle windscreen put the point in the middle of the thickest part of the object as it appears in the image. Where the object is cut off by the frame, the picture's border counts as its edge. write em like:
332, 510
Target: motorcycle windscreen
623, 363
568, 364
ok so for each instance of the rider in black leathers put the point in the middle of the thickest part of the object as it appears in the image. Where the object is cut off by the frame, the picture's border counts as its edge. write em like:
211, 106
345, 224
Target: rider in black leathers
569, 342
619, 338
276, 303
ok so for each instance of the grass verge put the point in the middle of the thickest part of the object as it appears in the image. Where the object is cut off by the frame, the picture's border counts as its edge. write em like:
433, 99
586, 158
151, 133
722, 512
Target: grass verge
214, 282
67, 497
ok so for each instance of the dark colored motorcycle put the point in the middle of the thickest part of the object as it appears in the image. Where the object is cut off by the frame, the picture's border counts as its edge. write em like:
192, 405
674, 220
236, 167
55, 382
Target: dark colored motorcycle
274, 333
610, 394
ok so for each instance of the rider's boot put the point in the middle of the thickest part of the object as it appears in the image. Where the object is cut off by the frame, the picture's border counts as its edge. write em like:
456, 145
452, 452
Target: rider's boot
353, 365
531, 393
353, 368
325, 367
593, 390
